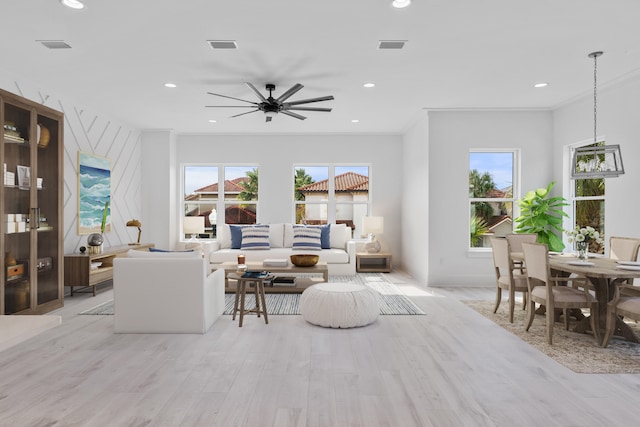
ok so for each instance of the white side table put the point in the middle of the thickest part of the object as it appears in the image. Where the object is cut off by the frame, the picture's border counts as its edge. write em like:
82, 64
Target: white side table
380, 262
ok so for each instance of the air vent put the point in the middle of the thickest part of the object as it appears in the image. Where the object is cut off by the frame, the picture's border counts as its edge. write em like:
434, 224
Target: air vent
391, 44
54, 44
222, 44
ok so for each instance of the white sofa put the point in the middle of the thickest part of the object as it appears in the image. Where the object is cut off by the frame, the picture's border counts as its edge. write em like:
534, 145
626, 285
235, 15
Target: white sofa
340, 257
156, 292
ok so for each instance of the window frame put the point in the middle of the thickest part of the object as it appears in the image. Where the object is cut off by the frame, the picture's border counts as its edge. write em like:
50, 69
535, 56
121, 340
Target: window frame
332, 201
572, 198
221, 203
515, 192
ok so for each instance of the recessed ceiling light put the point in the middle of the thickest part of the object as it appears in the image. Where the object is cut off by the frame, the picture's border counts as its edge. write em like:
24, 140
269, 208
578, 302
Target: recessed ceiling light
212, 121
355, 121
399, 4
542, 84
171, 85
369, 85
73, 4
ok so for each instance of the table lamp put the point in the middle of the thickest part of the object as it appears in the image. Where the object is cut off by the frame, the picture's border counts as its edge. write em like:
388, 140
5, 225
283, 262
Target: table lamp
372, 225
193, 225
135, 223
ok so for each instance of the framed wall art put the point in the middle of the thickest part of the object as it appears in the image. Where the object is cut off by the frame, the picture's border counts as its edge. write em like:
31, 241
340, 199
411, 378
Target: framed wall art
94, 193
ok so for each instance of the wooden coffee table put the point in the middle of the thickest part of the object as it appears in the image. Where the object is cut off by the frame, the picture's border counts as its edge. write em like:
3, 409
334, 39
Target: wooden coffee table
290, 270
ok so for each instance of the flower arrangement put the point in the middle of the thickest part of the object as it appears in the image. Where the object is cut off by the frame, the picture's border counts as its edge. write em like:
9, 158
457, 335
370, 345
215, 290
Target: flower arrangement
584, 234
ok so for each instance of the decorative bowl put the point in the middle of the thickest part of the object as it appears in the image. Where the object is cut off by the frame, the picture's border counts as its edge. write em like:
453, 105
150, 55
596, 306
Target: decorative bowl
304, 260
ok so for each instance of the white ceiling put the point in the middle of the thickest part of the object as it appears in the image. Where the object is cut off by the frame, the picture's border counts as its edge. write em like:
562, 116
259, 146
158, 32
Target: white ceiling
459, 54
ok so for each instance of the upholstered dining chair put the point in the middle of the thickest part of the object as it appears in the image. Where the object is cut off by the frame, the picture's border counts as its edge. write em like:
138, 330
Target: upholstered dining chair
625, 249
505, 276
543, 290
516, 240
620, 306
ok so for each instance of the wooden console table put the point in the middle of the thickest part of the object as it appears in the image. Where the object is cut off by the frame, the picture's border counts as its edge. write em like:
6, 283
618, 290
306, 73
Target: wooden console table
77, 266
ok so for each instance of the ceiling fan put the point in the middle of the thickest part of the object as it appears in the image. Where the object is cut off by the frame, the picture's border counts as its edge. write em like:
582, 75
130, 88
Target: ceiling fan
272, 106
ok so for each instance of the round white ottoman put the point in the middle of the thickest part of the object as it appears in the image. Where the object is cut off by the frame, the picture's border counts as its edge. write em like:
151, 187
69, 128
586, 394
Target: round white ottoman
339, 305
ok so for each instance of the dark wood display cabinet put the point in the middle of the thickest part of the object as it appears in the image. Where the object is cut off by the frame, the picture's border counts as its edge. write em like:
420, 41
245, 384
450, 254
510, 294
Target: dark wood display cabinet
31, 243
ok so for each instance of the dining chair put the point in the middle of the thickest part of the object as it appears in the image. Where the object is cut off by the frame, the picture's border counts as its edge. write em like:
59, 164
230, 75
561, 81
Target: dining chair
505, 276
516, 240
620, 306
544, 290
625, 249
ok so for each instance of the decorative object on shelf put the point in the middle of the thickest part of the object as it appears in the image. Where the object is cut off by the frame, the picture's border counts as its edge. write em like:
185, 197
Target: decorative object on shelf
94, 190
304, 260
582, 237
24, 176
372, 225
542, 215
95, 240
135, 223
44, 136
193, 225
596, 160
83, 249
11, 133
9, 260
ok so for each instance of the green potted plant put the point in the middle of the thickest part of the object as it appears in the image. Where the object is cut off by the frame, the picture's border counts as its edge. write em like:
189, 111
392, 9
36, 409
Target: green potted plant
542, 215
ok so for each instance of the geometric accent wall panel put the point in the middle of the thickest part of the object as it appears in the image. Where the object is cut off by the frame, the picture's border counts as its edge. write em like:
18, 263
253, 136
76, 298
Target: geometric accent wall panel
98, 134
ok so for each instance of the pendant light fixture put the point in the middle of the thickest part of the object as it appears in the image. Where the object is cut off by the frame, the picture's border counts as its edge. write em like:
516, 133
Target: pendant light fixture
596, 161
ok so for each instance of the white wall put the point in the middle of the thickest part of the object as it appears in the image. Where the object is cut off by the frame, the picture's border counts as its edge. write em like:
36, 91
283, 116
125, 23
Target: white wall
276, 156
618, 107
451, 136
415, 199
94, 132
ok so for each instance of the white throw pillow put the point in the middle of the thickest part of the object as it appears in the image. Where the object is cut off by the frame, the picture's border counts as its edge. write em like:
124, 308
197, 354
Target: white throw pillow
288, 236
223, 236
339, 235
306, 238
276, 235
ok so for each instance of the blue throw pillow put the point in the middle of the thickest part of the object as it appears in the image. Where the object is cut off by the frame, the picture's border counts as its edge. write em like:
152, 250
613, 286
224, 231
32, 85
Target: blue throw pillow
236, 236
325, 236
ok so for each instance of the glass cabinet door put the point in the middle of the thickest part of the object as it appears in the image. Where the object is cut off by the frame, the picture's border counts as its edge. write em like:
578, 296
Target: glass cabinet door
45, 217
17, 204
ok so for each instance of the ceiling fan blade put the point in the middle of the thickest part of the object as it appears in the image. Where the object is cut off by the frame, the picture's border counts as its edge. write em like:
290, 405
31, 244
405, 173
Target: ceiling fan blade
289, 113
296, 87
306, 101
269, 118
231, 97
256, 91
231, 106
309, 109
242, 114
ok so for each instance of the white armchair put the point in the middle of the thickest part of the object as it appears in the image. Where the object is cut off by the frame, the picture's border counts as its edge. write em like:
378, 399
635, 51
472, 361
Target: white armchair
166, 293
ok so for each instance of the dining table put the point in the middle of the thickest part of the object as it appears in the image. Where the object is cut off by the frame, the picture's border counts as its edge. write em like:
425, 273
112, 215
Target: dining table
604, 274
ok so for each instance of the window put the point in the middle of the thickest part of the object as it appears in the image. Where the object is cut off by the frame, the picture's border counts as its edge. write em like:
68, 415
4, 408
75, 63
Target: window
220, 193
492, 180
588, 206
328, 194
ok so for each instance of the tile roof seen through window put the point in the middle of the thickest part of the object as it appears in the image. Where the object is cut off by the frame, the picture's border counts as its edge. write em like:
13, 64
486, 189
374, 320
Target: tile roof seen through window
348, 181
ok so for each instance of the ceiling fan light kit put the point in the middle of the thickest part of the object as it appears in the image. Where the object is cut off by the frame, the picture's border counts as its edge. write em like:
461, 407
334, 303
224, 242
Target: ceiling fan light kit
271, 106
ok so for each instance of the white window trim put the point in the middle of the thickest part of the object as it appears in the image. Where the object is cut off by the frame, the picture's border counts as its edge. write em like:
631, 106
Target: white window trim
515, 190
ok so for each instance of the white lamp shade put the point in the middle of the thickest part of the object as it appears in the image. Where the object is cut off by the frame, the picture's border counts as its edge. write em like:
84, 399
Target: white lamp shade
372, 224
193, 224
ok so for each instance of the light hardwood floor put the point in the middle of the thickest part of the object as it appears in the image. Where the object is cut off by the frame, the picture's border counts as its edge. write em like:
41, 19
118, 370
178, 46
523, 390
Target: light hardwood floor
451, 367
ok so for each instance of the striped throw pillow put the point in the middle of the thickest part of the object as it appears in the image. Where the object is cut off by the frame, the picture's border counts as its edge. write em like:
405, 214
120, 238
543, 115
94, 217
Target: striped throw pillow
306, 238
256, 237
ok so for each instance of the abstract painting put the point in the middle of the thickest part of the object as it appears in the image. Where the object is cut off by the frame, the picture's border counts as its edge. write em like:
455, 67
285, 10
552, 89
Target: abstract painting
94, 191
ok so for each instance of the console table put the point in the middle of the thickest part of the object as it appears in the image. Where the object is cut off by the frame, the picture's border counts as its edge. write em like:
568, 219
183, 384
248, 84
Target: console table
78, 271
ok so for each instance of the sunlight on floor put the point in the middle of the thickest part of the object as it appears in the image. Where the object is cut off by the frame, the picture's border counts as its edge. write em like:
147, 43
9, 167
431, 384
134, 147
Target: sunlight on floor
414, 291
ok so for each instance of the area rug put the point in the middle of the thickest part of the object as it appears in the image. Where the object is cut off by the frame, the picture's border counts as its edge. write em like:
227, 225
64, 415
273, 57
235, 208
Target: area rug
391, 298
578, 352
